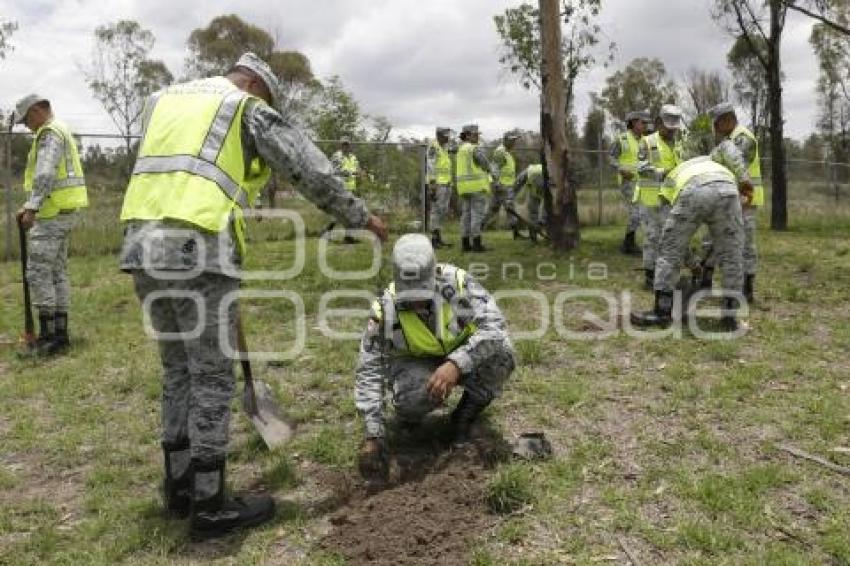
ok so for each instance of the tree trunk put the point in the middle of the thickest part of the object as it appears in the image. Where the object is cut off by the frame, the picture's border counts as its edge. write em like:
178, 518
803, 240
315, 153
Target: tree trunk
563, 219
778, 177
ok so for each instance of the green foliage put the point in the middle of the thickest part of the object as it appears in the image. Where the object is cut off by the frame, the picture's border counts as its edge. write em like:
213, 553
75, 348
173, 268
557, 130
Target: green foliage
122, 76
642, 85
214, 49
336, 114
7, 28
519, 30
749, 78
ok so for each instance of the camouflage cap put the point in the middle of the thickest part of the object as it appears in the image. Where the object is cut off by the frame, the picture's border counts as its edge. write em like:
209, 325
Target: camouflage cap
443, 130
469, 129
253, 63
24, 104
511, 135
414, 266
721, 109
671, 116
633, 116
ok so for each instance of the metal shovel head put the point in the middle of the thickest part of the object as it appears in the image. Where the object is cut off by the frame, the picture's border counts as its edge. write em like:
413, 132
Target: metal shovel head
260, 406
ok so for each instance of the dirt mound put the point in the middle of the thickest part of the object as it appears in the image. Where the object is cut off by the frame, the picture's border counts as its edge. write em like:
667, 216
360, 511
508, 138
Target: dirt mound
432, 514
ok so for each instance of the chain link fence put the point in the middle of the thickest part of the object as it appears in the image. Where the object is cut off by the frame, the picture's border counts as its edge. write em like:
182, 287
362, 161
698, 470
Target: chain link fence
392, 180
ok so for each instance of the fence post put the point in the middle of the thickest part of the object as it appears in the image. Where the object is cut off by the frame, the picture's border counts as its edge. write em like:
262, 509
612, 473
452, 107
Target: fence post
600, 164
7, 178
423, 185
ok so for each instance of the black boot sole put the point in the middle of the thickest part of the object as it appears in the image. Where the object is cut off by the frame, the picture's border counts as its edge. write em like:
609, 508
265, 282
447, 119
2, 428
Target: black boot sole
197, 534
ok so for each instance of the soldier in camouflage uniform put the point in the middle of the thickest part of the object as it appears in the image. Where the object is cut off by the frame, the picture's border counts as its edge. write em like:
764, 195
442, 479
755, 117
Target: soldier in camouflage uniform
433, 329
439, 177
474, 176
737, 149
625, 157
186, 272
56, 186
531, 179
701, 191
504, 177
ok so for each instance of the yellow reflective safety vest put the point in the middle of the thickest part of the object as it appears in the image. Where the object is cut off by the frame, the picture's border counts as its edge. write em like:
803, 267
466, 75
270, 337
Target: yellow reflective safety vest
191, 167
416, 338
69, 186
507, 172
660, 155
684, 172
753, 167
629, 150
535, 172
470, 177
351, 166
441, 172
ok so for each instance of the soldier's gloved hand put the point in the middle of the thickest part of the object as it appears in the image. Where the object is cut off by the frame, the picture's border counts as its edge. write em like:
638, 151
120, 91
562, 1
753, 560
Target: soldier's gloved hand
377, 227
626, 174
373, 462
432, 192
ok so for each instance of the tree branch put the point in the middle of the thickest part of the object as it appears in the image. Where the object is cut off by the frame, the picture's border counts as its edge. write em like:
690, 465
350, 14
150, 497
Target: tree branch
824, 20
746, 34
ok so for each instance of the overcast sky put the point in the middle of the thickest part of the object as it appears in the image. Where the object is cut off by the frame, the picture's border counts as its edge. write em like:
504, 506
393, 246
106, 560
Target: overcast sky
417, 63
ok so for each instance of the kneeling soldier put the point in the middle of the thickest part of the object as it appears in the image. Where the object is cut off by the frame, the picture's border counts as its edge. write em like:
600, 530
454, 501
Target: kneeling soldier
432, 329
700, 191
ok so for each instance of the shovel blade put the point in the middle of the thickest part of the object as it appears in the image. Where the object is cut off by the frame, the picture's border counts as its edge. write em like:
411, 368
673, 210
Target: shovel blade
266, 416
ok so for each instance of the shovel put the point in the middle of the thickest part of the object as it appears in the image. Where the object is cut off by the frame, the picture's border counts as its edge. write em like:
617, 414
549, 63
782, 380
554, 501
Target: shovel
258, 400
28, 337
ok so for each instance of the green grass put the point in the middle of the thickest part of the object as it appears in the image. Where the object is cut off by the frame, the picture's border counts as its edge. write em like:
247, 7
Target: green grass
669, 442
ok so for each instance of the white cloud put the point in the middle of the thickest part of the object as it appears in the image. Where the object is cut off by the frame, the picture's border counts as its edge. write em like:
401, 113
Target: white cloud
418, 63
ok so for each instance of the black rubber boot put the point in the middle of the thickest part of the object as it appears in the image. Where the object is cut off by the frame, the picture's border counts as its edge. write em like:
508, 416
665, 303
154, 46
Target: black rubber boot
61, 341
661, 315
649, 278
45, 343
177, 486
435, 240
462, 418
629, 245
465, 245
728, 322
518, 235
477, 246
214, 515
749, 287
707, 277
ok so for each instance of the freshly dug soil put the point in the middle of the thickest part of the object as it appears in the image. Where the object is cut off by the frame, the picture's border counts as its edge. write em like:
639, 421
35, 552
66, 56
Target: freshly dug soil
432, 513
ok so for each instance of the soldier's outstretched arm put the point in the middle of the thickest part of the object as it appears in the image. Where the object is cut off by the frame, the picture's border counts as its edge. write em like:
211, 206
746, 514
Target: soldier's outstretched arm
371, 378
491, 337
614, 154
727, 154
49, 153
288, 150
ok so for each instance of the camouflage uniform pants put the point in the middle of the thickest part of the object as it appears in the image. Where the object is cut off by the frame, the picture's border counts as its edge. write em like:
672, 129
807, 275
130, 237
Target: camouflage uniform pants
473, 209
47, 271
198, 377
750, 253
653, 223
441, 198
503, 195
536, 210
716, 205
409, 376
627, 189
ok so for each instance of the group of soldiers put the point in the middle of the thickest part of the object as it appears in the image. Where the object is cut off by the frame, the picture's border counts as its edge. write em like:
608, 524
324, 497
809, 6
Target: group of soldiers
673, 194
210, 145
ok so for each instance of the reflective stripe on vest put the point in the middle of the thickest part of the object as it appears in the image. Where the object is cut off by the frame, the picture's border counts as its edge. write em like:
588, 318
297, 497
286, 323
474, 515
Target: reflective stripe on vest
417, 340
660, 156
679, 177
629, 149
442, 167
191, 165
69, 185
754, 167
507, 172
470, 177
